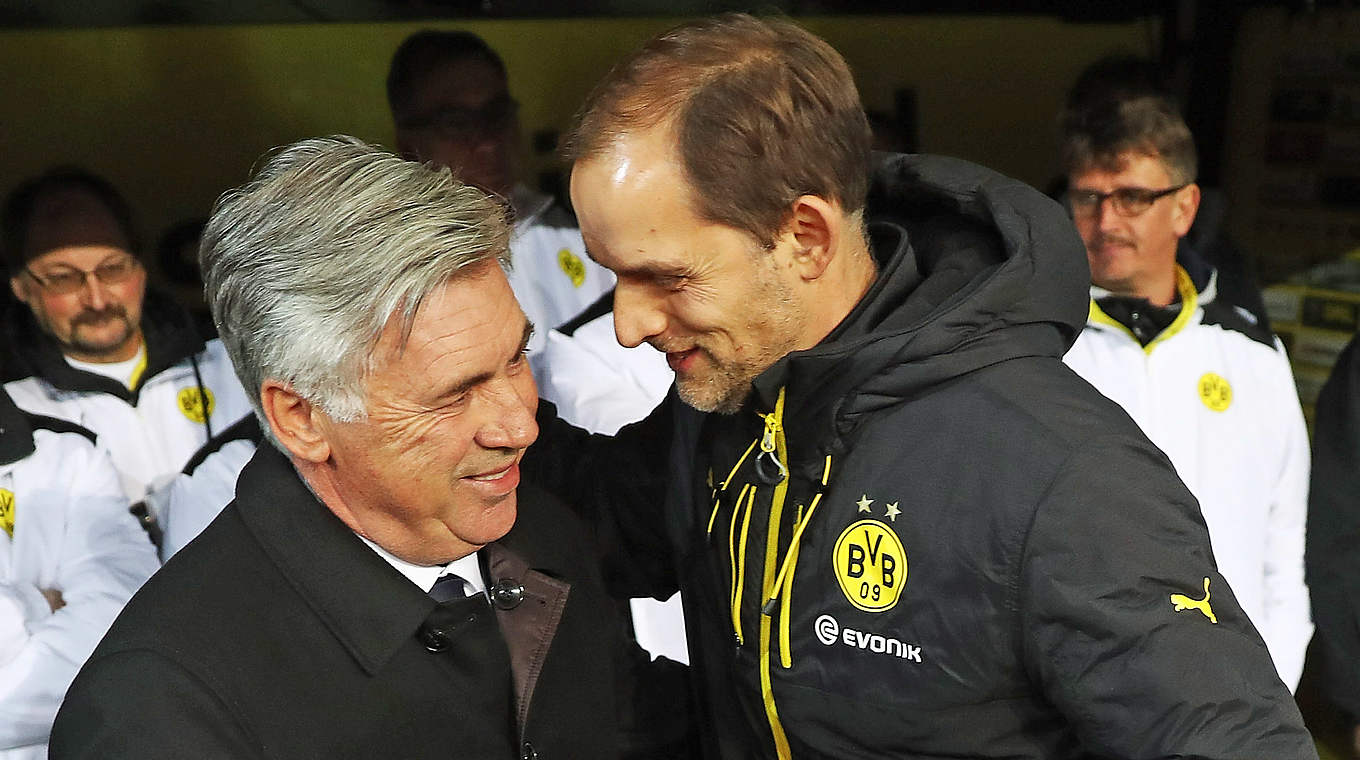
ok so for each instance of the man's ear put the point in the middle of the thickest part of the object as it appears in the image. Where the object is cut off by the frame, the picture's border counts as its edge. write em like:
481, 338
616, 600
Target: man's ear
816, 228
1187, 205
18, 288
294, 422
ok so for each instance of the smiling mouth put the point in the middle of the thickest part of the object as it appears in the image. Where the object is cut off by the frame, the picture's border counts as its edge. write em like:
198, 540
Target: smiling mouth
680, 361
491, 477
495, 484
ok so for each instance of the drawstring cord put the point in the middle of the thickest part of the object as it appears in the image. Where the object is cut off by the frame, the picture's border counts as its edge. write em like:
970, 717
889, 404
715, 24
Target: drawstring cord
768, 608
718, 502
737, 552
202, 398
800, 526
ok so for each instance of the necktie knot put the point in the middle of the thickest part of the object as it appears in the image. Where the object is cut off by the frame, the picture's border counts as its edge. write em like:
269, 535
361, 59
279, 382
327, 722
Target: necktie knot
449, 587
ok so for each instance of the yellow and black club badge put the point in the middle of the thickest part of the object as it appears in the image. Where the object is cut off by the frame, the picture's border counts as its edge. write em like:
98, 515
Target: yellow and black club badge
7, 510
1215, 391
572, 265
869, 561
197, 407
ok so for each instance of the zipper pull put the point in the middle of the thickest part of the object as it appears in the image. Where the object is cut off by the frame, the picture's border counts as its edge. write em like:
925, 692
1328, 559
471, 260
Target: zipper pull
768, 457
771, 430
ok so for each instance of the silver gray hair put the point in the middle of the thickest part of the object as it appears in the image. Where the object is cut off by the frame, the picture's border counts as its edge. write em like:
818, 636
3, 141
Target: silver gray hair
306, 265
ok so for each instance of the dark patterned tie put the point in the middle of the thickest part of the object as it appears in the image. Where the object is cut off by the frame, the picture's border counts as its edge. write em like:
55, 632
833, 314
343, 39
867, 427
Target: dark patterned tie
448, 588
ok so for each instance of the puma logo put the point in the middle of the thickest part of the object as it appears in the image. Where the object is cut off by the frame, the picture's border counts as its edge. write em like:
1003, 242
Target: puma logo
1183, 602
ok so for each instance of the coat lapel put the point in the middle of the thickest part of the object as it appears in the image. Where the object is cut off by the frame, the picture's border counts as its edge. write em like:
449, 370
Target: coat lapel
528, 627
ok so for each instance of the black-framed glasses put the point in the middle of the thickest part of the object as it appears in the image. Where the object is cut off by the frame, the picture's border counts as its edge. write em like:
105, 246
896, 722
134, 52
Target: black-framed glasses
454, 123
67, 281
1127, 201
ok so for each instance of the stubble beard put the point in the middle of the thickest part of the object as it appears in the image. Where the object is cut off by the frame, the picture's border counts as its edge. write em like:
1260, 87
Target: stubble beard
725, 385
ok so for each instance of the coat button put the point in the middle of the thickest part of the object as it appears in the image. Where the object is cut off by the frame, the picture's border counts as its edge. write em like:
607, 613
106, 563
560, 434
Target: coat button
527, 752
434, 639
507, 593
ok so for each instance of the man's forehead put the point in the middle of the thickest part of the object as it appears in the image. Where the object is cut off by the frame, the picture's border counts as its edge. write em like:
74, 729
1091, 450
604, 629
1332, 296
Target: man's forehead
463, 296
1129, 163
77, 256
642, 164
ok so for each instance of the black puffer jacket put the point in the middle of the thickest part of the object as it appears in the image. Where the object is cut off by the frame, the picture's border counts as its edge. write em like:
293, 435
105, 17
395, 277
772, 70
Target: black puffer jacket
1334, 529
974, 554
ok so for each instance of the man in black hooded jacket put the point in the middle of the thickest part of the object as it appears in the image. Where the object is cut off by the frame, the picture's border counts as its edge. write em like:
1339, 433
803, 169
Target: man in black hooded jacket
901, 526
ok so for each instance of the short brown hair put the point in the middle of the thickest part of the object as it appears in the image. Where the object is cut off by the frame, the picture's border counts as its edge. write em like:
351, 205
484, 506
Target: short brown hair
762, 111
1101, 133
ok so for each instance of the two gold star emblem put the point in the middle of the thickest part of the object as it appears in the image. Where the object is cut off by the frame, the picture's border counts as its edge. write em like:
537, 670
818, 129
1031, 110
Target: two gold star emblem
892, 509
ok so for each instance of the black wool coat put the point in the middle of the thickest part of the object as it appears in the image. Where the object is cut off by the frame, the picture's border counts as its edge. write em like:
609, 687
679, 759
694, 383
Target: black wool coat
278, 634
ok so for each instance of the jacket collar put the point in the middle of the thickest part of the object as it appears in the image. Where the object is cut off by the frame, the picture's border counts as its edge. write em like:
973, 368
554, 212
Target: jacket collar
530, 625
974, 269
367, 605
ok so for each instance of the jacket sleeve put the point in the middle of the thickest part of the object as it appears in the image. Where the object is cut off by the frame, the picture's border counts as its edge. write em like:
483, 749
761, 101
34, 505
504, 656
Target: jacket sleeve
1288, 625
619, 486
1334, 529
103, 556
596, 383
1129, 628
195, 500
138, 704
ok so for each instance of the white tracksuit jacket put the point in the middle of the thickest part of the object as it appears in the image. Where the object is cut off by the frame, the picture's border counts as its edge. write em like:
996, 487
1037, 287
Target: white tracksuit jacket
72, 533
553, 278
151, 436
1215, 392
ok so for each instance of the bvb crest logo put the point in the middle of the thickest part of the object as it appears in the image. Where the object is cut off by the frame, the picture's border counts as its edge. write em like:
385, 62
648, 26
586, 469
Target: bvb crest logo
870, 565
7, 510
1215, 391
572, 265
197, 407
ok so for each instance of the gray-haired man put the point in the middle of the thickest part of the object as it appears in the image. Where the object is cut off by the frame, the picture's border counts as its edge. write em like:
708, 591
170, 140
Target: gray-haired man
365, 594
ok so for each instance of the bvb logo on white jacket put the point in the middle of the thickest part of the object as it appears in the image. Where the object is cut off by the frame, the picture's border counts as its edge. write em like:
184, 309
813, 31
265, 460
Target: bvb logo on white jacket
194, 405
1215, 391
7, 510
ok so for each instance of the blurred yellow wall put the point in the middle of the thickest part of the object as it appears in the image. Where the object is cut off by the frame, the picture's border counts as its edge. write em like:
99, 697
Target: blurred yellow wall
175, 115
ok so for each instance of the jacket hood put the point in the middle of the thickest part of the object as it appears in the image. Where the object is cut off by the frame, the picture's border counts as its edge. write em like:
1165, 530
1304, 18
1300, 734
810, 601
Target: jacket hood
169, 333
974, 269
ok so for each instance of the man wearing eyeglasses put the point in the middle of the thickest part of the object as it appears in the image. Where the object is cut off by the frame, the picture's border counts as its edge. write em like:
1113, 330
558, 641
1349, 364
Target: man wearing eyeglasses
452, 107
90, 345
1209, 385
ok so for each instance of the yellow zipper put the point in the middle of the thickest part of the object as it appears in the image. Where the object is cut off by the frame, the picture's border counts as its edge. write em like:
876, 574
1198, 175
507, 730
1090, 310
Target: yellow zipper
774, 435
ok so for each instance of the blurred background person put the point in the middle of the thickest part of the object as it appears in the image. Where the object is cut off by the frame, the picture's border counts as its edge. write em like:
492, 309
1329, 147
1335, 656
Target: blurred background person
93, 345
1208, 384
